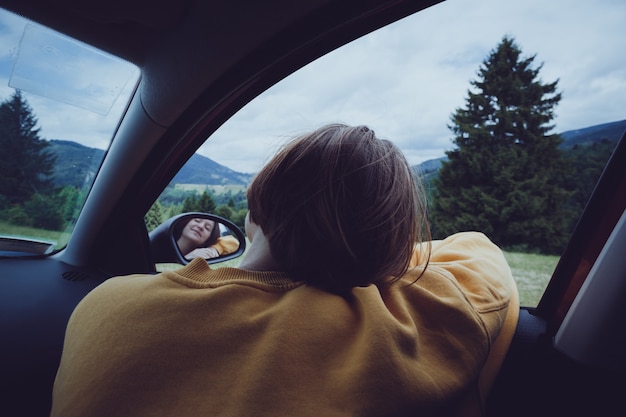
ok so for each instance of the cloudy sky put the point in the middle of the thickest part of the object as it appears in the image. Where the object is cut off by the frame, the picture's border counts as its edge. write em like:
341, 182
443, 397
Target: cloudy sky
406, 80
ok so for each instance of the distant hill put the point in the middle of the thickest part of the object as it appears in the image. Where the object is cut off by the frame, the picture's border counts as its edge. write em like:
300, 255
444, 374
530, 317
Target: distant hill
78, 164
202, 170
586, 136
430, 166
583, 137
75, 164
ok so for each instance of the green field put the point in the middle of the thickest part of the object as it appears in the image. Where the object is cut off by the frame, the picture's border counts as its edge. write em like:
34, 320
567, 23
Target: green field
532, 273
217, 189
60, 238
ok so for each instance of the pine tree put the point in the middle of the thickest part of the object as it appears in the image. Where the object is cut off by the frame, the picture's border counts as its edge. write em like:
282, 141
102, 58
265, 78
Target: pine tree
154, 216
25, 162
203, 204
190, 204
505, 175
206, 203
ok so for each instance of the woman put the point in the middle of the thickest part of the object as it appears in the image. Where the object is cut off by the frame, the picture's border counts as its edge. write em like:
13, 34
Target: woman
341, 306
201, 238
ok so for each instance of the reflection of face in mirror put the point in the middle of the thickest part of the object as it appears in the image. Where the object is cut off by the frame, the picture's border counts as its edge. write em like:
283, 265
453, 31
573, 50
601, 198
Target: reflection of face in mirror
201, 238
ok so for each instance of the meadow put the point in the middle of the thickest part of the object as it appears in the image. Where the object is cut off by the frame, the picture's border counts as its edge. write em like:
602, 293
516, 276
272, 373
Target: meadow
59, 238
531, 273
216, 189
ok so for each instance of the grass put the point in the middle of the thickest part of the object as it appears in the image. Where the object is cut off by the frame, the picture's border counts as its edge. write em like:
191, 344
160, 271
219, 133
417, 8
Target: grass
531, 273
60, 238
217, 189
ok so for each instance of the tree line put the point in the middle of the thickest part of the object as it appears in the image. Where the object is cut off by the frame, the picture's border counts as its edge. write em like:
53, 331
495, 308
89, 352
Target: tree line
27, 194
172, 202
29, 197
506, 176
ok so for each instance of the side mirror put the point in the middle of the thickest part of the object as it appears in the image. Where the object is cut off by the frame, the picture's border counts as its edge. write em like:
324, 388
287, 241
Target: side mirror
191, 235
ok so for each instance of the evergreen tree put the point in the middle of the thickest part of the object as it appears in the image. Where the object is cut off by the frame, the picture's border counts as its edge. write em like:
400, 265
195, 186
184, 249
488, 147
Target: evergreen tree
45, 211
154, 216
505, 177
239, 218
224, 211
588, 161
206, 203
25, 162
73, 199
190, 204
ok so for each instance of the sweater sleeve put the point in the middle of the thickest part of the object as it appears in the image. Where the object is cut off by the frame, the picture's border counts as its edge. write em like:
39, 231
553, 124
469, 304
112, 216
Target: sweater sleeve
476, 267
226, 245
479, 268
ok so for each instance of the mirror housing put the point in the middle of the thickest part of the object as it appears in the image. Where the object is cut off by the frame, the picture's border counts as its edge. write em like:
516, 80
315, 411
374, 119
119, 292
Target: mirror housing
163, 239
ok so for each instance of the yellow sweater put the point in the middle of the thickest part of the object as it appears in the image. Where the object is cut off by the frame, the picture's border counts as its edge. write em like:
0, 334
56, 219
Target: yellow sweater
226, 245
229, 342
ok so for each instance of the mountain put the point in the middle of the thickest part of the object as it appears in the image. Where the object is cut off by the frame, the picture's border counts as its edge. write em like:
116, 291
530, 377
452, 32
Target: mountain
430, 166
202, 170
77, 164
612, 131
586, 136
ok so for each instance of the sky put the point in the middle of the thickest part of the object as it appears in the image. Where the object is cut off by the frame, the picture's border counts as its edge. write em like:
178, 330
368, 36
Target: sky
405, 80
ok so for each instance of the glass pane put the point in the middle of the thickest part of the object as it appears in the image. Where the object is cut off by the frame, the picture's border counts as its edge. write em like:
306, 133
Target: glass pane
60, 102
408, 79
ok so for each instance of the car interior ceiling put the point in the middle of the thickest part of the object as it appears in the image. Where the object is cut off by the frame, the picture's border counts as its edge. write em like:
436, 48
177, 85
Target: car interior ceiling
168, 123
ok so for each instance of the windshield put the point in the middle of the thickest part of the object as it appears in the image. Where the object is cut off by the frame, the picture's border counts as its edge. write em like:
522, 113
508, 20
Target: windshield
60, 102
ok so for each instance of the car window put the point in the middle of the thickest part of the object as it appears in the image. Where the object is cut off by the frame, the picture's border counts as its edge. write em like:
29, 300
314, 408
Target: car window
417, 80
60, 102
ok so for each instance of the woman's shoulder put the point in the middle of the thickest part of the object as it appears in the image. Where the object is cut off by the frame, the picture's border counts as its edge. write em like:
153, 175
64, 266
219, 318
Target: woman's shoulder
471, 263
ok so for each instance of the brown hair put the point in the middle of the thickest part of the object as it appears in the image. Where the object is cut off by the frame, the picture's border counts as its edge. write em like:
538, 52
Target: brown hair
340, 208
